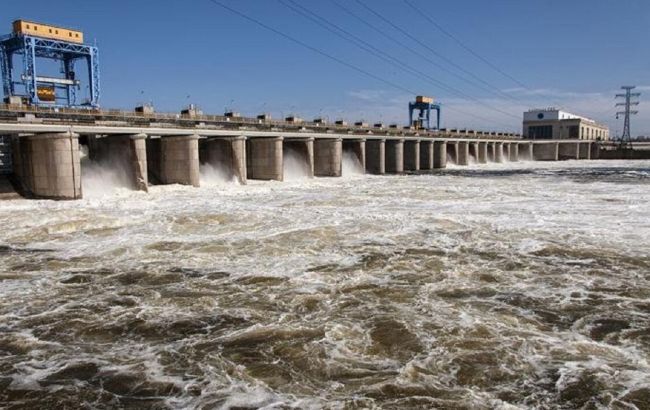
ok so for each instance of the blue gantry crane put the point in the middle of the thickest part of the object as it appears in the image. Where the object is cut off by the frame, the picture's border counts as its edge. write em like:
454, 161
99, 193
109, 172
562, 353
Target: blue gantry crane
424, 105
33, 41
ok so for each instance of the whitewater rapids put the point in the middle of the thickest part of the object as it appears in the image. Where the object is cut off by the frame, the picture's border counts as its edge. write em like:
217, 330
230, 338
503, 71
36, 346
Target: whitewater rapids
512, 285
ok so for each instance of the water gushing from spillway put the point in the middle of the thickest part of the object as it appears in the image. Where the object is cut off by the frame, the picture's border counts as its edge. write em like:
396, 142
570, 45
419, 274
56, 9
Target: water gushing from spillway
295, 165
350, 164
105, 178
518, 285
215, 175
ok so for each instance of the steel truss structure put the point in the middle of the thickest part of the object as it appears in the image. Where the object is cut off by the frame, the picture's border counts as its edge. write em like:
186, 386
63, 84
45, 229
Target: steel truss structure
424, 114
66, 53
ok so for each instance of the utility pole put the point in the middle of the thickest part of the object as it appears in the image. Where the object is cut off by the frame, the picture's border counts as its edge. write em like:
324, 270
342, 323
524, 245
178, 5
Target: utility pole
626, 139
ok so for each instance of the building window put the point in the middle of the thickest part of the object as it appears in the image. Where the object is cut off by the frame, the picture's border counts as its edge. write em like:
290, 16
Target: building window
540, 132
56, 31
35, 28
26, 25
70, 34
76, 35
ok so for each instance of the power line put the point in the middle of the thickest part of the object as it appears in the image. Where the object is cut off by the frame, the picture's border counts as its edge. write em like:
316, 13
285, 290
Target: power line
325, 54
463, 45
380, 53
437, 54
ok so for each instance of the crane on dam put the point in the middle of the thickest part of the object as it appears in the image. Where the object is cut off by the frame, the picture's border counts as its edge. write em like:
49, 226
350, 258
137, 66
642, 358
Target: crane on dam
424, 105
33, 42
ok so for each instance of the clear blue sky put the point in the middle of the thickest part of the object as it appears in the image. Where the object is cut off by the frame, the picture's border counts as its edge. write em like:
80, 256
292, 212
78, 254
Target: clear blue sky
569, 53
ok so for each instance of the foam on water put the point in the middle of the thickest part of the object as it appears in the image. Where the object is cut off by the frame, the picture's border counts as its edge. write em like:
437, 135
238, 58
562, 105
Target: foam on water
509, 285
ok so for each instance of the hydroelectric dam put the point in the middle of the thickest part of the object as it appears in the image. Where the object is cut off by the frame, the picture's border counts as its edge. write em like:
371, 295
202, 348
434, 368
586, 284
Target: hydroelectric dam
41, 148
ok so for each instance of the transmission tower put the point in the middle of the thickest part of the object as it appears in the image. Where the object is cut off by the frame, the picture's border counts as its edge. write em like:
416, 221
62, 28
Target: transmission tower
626, 140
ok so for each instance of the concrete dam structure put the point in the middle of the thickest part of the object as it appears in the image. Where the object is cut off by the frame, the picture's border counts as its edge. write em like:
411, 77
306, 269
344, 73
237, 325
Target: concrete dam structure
46, 157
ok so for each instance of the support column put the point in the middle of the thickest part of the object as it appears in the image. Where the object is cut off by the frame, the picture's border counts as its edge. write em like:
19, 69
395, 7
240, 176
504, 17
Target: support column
526, 151
462, 153
394, 156
179, 160
482, 152
545, 151
376, 156
264, 158
514, 152
228, 154
327, 157
138, 160
440, 154
411, 155
498, 152
568, 150
585, 150
426, 154
594, 151
49, 165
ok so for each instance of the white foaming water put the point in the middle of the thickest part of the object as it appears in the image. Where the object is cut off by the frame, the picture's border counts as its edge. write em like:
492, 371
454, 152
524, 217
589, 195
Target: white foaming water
510, 285
99, 180
295, 166
350, 164
214, 175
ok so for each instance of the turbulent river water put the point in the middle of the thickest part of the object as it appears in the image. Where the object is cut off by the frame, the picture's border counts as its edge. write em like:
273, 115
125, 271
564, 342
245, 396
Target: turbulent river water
523, 285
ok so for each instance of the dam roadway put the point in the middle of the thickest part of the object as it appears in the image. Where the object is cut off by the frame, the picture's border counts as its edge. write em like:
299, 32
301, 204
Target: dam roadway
46, 160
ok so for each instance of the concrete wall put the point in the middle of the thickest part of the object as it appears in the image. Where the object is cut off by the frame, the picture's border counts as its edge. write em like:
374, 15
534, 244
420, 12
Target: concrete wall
303, 148
462, 153
264, 158
411, 155
394, 156
568, 150
227, 154
48, 165
439, 154
452, 151
178, 160
426, 154
526, 151
376, 156
545, 151
584, 150
474, 151
327, 157
506, 151
498, 152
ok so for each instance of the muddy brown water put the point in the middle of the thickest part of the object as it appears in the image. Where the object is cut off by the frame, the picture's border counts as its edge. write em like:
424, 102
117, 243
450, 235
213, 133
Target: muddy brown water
507, 286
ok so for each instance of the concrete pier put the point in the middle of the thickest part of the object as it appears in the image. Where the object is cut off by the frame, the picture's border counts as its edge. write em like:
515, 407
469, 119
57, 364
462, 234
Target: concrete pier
568, 150
462, 153
426, 154
545, 151
439, 154
174, 159
48, 165
514, 152
127, 152
264, 158
482, 153
357, 148
491, 148
394, 156
525, 151
584, 150
498, 152
327, 157
228, 154
411, 155
376, 156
